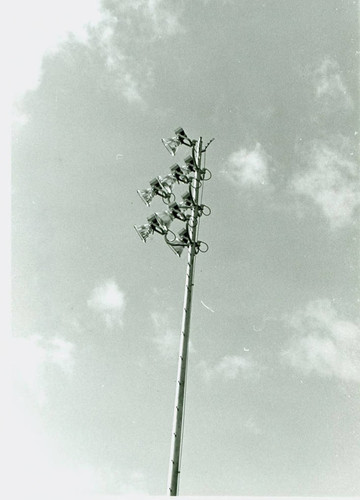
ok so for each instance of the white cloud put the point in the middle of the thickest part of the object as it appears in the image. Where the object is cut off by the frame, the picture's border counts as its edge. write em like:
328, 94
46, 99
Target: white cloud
249, 168
123, 73
32, 355
323, 342
165, 338
18, 118
331, 182
43, 27
39, 26
130, 89
89, 479
109, 301
60, 353
31, 452
33, 461
330, 89
136, 485
161, 18
142, 21
164, 18
229, 367
33, 455
232, 366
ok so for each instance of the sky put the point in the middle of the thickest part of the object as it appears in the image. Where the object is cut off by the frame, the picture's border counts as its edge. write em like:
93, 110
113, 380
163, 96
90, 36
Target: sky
272, 398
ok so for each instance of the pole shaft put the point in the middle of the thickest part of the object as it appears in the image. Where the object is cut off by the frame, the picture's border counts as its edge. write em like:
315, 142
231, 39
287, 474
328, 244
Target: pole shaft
176, 436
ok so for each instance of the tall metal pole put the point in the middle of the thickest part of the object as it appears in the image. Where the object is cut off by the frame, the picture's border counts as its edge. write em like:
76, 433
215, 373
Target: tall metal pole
176, 437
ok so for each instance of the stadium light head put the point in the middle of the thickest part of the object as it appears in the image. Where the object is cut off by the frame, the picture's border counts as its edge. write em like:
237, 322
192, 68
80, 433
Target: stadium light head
155, 184
173, 143
190, 164
176, 211
144, 231
187, 200
158, 186
167, 182
179, 173
177, 248
146, 195
181, 241
160, 221
184, 236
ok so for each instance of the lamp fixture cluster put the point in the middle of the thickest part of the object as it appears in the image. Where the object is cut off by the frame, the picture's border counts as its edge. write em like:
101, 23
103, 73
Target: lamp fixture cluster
186, 209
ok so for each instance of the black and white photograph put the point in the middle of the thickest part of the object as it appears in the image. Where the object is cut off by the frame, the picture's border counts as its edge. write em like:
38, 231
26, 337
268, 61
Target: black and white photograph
185, 200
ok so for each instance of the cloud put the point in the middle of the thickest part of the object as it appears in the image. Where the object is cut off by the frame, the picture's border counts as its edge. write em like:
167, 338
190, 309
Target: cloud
90, 479
330, 89
229, 367
109, 301
119, 37
130, 88
31, 356
324, 343
39, 473
249, 169
18, 117
136, 485
154, 16
117, 31
41, 27
123, 72
165, 20
330, 181
107, 27
166, 339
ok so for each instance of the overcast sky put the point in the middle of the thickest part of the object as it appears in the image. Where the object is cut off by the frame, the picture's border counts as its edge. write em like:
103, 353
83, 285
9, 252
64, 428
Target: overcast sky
273, 396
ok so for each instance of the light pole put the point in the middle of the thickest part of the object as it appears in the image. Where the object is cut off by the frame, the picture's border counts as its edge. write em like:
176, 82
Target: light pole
194, 175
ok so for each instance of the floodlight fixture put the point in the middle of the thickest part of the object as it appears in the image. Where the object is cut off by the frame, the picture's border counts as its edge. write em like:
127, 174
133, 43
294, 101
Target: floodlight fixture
158, 186
176, 210
156, 225
167, 182
179, 173
190, 164
173, 143
177, 248
180, 133
180, 242
187, 200
184, 236
163, 219
144, 231
146, 195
